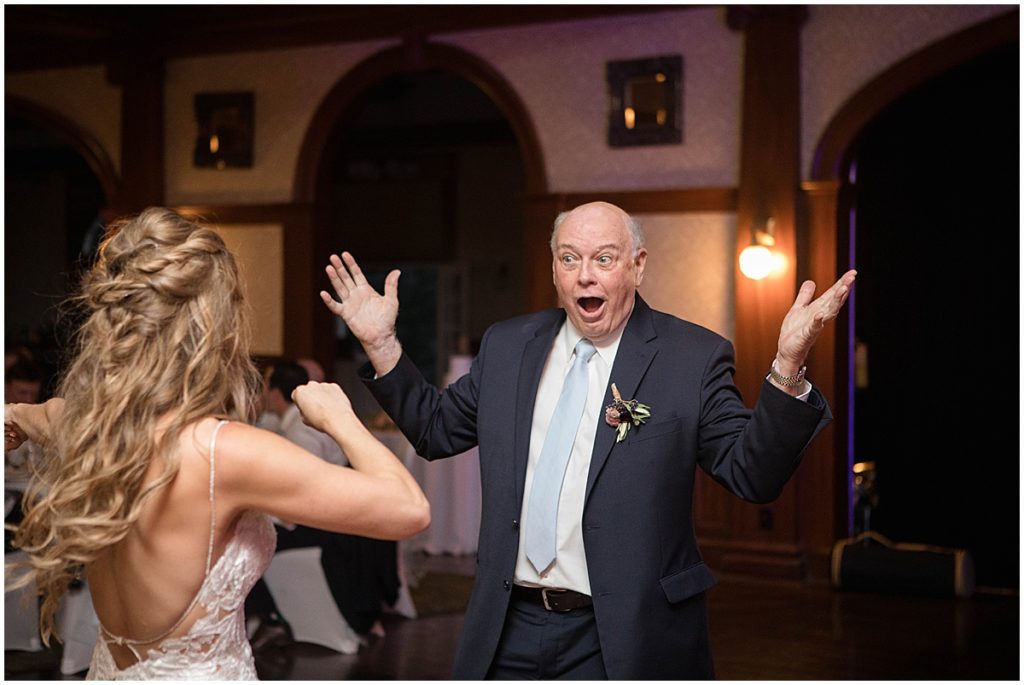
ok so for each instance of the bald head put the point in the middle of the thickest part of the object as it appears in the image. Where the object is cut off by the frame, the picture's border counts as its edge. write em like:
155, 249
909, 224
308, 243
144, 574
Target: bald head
601, 211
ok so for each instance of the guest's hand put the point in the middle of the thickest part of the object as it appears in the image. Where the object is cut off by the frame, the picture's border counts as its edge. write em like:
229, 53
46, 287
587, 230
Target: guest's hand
322, 402
806, 320
14, 436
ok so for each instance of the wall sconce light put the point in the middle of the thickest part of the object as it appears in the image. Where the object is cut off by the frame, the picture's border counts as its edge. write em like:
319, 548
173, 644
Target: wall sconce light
757, 260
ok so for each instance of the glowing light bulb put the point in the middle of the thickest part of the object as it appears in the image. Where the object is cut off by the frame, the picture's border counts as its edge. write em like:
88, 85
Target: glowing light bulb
756, 262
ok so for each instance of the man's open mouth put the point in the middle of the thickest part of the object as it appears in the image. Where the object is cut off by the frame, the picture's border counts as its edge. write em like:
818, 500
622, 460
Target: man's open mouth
590, 304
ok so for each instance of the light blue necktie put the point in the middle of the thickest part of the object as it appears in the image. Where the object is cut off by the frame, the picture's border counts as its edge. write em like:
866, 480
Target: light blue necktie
554, 456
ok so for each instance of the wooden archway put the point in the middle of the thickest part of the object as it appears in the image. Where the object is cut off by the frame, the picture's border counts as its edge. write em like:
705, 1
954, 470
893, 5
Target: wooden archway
324, 130
322, 144
70, 133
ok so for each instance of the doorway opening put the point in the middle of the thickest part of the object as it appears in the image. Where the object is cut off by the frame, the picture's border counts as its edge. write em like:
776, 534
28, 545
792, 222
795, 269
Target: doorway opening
52, 228
428, 178
935, 398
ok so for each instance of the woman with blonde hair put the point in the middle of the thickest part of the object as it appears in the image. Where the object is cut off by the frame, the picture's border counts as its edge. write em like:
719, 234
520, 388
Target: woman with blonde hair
155, 486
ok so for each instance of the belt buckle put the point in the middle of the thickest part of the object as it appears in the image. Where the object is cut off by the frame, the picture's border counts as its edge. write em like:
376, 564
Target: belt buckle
544, 596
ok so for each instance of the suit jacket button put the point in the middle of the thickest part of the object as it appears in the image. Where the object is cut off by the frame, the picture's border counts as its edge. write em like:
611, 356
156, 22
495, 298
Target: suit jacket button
507, 585
515, 524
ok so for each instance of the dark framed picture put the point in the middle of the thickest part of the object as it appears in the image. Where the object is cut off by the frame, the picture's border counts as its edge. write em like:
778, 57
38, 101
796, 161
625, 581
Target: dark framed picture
645, 99
225, 130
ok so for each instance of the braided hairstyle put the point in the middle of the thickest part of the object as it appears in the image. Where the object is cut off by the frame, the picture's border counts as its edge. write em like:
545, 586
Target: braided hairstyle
165, 338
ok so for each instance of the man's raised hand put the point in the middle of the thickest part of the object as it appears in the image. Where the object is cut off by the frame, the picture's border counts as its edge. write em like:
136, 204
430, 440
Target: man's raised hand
806, 319
368, 314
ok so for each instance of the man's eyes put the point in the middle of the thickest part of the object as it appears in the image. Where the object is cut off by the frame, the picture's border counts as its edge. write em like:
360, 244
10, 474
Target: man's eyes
602, 260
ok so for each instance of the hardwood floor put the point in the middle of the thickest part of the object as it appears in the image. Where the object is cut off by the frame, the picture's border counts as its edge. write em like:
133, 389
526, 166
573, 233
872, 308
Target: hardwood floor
760, 630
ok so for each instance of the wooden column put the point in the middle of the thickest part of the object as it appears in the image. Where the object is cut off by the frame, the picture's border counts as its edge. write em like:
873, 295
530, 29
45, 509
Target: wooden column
763, 539
140, 73
539, 212
769, 178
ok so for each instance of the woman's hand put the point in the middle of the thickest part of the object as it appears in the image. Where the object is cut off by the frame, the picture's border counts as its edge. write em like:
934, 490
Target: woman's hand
321, 403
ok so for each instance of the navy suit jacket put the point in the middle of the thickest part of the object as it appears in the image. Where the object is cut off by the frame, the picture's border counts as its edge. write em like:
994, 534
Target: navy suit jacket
646, 573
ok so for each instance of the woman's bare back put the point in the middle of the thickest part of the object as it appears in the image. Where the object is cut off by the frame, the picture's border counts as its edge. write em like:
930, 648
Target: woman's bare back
158, 605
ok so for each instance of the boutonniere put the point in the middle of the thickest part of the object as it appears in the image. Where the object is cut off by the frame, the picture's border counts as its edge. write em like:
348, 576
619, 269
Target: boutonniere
621, 414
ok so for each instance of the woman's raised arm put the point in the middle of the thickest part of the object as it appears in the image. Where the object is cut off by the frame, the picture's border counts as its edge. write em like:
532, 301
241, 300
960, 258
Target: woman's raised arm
375, 497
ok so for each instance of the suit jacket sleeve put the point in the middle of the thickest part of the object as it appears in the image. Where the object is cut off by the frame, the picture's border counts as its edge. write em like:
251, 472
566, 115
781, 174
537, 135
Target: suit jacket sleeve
753, 452
438, 423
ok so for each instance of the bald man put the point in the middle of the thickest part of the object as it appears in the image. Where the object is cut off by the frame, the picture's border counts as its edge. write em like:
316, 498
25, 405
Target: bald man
589, 568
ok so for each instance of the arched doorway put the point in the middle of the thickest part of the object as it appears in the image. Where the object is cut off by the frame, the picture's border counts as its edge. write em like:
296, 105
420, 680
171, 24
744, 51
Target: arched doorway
421, 159
896, 177
57, 182
936, 233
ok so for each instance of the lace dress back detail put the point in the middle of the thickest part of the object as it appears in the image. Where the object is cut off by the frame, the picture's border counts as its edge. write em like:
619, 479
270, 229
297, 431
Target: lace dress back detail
215, 647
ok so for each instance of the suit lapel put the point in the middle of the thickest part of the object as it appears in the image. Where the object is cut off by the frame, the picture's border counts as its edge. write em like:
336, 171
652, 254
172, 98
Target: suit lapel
635, 354
535, 354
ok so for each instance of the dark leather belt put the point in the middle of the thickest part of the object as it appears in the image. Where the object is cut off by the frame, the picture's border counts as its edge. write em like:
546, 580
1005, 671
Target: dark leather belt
551, 599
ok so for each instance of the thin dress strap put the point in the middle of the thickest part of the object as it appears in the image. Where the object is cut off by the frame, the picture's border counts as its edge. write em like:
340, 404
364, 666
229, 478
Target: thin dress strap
129, 643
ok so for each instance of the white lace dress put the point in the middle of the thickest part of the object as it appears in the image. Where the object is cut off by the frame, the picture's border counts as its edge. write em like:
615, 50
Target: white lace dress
216, 646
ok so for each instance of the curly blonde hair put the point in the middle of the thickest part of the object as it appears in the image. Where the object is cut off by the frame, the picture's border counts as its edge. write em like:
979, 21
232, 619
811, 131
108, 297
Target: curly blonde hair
166, 335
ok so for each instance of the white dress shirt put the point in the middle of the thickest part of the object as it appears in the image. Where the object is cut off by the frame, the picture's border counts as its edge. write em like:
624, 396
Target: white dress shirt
569, 570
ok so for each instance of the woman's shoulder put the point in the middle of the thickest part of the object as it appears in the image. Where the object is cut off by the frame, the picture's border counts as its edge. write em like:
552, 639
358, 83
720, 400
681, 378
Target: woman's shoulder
228, 435
226, 439
242, 456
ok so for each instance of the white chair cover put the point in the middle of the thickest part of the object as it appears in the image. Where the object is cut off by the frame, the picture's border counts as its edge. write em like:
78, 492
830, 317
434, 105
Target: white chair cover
297, 582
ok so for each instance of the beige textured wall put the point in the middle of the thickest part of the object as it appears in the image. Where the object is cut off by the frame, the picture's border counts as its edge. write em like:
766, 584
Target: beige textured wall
259, 250
288, 87
844, 47
559, 72
82, 95
690, 267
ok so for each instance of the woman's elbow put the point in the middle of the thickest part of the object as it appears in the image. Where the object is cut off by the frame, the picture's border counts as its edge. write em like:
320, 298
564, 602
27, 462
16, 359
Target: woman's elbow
422, 520
416, 520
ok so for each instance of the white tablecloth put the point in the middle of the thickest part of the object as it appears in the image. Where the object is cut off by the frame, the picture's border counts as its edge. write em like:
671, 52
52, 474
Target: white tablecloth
452, 486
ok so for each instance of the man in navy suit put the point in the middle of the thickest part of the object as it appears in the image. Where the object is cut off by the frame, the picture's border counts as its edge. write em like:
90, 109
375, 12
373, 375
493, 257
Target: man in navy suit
624, 597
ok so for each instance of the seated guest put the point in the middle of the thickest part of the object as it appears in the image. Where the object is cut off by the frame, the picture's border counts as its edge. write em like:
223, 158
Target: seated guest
266, 419
284, 377
361, 572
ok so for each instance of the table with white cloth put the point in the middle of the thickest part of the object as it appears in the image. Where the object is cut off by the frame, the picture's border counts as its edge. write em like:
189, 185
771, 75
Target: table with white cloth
452, 487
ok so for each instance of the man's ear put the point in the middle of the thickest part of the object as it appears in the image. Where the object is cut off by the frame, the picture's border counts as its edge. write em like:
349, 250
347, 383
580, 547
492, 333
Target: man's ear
640, 263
